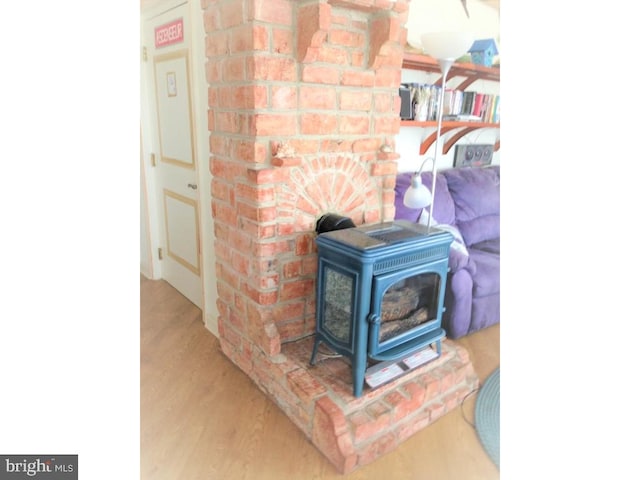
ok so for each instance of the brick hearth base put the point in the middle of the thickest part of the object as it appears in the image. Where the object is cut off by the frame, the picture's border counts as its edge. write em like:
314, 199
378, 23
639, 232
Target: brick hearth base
352, 432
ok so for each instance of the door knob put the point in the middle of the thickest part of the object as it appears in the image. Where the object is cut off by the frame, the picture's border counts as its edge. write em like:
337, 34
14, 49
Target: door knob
191, 185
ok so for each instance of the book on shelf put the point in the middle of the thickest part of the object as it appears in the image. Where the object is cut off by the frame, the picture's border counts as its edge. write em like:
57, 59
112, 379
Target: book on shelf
492, 112
457, 101
454, 102
461, 118
496, 111
484, 108
433, 102
448, 102
458, 105
467, 102
477, 104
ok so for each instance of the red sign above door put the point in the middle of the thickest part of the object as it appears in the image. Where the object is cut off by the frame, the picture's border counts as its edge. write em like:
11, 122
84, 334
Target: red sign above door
169, 33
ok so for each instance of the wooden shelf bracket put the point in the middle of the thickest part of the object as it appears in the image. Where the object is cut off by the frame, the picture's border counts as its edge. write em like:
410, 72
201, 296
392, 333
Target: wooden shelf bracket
467, 127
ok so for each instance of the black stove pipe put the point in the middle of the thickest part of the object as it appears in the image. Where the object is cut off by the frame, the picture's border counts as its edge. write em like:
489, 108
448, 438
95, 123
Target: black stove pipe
332, 221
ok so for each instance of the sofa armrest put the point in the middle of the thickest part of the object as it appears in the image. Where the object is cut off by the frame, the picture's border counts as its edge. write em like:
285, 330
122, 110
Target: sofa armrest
459, 260
458, 302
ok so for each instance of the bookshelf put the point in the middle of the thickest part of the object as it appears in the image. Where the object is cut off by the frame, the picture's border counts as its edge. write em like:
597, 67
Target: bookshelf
470, 72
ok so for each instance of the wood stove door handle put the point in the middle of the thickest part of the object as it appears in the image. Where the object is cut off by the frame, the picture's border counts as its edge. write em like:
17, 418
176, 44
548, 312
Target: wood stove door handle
373, 319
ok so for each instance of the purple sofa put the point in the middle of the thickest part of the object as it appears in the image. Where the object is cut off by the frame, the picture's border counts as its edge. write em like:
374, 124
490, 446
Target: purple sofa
467, 203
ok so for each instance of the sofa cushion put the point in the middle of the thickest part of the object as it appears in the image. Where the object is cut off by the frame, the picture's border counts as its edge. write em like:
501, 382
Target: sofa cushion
480, 229
443, 209
476, 194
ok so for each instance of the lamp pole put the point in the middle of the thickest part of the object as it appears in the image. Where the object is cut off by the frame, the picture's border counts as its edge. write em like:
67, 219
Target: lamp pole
445, 66
445, 47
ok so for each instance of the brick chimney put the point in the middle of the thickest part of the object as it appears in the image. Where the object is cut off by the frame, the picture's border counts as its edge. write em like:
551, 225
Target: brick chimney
303, 111
303, 99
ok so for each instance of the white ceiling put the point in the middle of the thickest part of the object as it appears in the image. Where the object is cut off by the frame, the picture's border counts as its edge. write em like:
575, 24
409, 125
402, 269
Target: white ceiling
145, 4
449, 15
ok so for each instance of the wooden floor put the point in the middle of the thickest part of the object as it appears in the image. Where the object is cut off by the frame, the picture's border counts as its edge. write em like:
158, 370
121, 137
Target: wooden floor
203, 418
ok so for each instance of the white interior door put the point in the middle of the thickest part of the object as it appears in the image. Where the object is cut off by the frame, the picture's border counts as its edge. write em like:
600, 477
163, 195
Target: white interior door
176, 172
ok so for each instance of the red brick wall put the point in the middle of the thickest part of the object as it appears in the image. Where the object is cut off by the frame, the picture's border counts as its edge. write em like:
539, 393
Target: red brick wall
302, 96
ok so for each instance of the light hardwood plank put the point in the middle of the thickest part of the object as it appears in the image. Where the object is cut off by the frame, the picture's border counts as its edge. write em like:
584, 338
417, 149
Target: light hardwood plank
203, 418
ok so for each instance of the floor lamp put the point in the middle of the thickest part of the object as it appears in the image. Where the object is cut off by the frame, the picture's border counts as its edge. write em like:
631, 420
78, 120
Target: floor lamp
446, 47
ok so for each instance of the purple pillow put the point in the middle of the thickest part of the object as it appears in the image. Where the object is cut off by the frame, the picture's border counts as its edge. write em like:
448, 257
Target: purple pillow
480, 229
475, 191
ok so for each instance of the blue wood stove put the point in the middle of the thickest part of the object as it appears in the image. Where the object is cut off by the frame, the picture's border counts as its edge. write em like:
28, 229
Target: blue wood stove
380, 292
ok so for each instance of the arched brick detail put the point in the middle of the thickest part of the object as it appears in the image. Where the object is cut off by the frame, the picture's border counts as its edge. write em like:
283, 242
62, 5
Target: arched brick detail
328, 184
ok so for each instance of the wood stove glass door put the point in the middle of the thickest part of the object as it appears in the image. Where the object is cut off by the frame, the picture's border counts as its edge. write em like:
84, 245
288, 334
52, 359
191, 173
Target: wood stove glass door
337, 302
404, 305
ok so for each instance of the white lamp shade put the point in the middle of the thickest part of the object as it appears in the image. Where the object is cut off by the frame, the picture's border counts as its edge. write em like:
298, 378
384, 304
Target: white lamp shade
417, 195
449, 16
446, 45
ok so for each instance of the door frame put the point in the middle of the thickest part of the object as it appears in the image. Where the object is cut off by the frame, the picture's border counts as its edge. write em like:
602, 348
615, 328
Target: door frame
149, 128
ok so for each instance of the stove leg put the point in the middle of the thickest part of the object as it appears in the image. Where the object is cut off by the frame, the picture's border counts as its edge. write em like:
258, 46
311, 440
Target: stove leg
316, 343
358, 369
